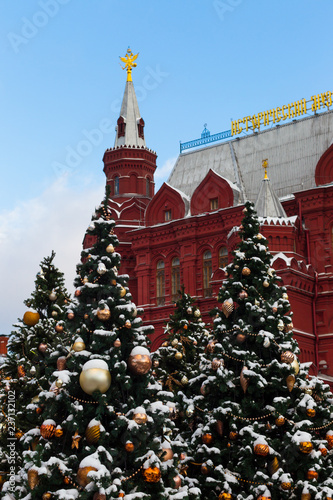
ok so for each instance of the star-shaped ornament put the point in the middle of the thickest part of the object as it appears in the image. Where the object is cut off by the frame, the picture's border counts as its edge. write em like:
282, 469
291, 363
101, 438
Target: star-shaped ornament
76, 440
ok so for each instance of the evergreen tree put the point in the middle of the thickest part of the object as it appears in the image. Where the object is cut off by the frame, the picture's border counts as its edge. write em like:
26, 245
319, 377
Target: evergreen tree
105, 428
263, 428
178, 361
33, 349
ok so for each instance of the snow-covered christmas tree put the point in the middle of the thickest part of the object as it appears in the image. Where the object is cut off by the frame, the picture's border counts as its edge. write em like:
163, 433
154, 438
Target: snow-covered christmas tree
262, 426
33, 349
105, 425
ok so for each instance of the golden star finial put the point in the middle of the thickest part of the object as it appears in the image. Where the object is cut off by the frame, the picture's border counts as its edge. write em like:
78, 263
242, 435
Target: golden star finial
265, 166
129, 63
75, 440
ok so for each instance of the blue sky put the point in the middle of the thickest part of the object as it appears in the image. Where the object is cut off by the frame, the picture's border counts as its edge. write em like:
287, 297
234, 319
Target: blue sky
200, 61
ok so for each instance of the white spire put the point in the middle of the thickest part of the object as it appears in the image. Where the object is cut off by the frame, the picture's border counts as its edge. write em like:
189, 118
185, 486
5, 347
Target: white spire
130, 125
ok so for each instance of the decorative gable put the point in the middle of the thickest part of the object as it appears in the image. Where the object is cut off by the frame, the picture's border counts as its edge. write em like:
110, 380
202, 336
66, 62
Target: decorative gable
324, 168
168, 204
214, 192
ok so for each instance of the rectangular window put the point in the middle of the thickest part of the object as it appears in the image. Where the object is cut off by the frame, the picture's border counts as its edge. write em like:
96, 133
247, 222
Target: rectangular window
214, 204
167, 215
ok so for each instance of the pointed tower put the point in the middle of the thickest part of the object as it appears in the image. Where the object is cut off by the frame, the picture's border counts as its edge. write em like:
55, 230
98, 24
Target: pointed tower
129, 166
268, 204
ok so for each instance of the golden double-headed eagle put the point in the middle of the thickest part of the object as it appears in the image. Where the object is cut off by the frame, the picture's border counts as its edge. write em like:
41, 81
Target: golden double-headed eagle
128, 60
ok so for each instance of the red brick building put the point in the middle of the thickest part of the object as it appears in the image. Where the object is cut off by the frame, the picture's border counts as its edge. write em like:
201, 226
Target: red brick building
184, 234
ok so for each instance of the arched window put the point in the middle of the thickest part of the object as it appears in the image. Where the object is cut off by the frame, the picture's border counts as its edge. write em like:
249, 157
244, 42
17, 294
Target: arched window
148, 187
116, 185
160, 283
175, 278
223, 257
207, 272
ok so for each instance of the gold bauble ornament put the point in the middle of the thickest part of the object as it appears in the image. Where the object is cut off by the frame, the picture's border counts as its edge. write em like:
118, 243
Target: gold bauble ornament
190, 411
184, 380
233, 435
122, 292
266, 284
140, 416
262, 497
117, 343
70, 315
323, 451
54, 314
152, 474
225, 496
19, 434
42, 347
285, 486
204, 469
31, 318
280, 421
243, 380
287, 357
86, 316
46, 496
311, 412
280, 325
178, 356
85, 280
82, 475
59, 383
285, 296
306, 447
290, 382
227, 307
103, 314
216, 363
20, 371
59, 328
47, 429
33, 478
95, 377
128, 324
329, 439
93, 433
243, 295
129, 447
240, 338
295, 365
174, 342
167, 453
289, 327
53, 296
58, 432
306, 496
246, 271
197, 313
261, 449
207, 438
79, 345
110, 248
139, 361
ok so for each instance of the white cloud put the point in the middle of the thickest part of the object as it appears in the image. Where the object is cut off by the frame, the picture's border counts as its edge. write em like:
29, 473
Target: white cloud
56, 220
162, 173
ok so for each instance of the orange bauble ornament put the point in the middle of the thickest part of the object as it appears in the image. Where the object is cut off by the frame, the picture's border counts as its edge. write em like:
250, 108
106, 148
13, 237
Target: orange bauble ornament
20, 371
129, 447
246, 271
46, 496
280, 421
233, 435
311, 412
306, 447
47, 429
323, 451
312, 474
286, 486
139, 361
82, 475
31, 318
225, 496
287, 357
59, 328
306, 496
19, 434
140, 415
207, 438
262, 497
93, 432
103, 314
152, 474
58, 432
261, 449
329, 439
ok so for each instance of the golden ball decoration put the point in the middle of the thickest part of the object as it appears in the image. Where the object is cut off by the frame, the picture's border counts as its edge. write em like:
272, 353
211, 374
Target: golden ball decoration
246, 271
216, 363
128, 324
139, 361
289, 327
46, 496
280, 421
31, 318
240, 338
329, 439
225, 496
122, 292
19, 434
79, 345
47, 429
58, 433
306, 496
190, 411
167, 453
59, 383
174, 342
312, 474
54, 314
70, 315
95, 376
285, 486
82, 475
184, 380
33, 478
287, 357
311, 412
204, 469
227, 307
207, 438
59, 328
110, 248
197, 313
177, 482
129, 447
306, 447
93, 432
152, 474
53, 296
295, 365
266, 284
273, 466
85, 280
243, 295
285, 296
280, 325
140, 416
117, 343
323, 451
263, 497
178, 356
233, 435
261, 449
86, 316
103, 314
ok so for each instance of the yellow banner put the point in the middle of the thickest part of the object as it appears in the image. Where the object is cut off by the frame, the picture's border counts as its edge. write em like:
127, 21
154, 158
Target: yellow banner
287, 111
